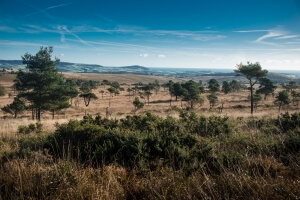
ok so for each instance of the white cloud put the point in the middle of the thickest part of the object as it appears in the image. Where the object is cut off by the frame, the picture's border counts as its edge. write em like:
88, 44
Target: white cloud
161, 56
144, 55
270, 34
287, 37
48, 8
62, 55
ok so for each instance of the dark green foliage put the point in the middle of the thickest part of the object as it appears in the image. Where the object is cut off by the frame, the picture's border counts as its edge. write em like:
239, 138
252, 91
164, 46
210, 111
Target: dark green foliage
253, 72
226, 87
191, 92
42, 85
206, 126
213, 99
177, 90
256, 99
235, 85
138, 141
287, 122
213, 85
295, 97
282, 99
87, 97
291, 86
149, 157
31, 128
266, 87
137, 103
15, 108
292, 143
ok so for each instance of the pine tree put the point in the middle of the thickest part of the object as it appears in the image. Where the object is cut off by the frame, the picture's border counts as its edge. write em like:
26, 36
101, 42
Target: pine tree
42, 86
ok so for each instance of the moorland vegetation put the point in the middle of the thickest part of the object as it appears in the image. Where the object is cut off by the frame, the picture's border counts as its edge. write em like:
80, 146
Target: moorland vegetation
187, 149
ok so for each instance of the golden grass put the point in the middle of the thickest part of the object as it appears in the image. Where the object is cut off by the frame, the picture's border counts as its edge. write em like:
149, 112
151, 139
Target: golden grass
9, 127
121, 105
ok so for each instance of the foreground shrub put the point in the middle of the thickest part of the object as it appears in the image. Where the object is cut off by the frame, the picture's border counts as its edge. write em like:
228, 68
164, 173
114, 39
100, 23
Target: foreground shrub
148, 157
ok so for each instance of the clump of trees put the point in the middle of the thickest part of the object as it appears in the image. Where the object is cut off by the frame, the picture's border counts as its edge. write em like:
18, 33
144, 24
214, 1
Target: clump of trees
41, 87
137, 104
15, 108
86, 92
188, 91
282, 99
266, 87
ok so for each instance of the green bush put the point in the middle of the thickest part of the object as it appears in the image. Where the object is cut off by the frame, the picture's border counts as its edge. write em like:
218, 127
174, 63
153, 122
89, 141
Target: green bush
31, 128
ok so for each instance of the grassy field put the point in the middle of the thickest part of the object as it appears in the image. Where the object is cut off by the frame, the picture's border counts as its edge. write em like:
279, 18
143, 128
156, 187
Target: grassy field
235, 104
167, 153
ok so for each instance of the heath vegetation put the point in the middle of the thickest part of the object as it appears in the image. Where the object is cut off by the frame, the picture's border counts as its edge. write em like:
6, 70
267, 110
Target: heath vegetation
103, 136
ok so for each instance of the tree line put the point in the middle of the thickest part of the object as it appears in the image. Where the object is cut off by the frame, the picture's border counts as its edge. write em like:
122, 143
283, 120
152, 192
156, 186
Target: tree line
42, 88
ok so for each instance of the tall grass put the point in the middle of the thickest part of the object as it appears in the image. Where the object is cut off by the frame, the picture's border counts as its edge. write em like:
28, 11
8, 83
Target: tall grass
148, 157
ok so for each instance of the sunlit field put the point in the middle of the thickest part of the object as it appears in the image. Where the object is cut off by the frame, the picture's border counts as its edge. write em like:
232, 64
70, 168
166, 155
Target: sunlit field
165, 150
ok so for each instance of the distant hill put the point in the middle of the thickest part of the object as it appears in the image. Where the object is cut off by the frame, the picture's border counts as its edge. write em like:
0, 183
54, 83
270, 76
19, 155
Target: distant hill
140, 70
80, 67
77, 67
136, 67
11, 64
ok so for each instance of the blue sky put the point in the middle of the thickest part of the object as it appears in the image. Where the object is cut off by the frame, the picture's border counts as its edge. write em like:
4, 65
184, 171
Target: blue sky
155, 33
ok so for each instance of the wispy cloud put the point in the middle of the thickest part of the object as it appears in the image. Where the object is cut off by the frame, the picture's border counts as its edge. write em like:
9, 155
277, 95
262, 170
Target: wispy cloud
287, 37
251, 31
271, 36
30, 28
161, 56
64, 28
140, 31
48, 8
62, 34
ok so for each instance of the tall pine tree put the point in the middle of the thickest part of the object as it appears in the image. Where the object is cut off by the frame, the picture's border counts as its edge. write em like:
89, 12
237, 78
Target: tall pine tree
42, 86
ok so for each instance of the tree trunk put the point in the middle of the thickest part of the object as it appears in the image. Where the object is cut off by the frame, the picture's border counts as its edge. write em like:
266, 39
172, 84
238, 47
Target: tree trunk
251, 97
39, 114
32, 113
53, 114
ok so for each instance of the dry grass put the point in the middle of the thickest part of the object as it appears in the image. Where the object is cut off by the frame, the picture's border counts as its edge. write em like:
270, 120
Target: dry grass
121, 105
9, 127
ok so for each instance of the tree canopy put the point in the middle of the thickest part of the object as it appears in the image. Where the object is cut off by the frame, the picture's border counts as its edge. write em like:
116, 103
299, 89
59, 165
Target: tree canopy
266, 87
191, 92
42, 86
213, 85
226, 87
282, 99
15, 108
253, 72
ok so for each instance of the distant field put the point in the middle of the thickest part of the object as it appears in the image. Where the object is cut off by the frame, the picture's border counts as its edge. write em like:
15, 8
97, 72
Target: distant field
235, 104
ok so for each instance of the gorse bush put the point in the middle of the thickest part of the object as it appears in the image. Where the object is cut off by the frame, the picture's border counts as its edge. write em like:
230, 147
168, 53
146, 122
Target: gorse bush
31, 128
149, 157
93, 143
149, 141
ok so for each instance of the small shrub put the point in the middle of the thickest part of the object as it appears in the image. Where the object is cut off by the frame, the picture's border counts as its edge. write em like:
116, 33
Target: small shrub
31, 128
239, 106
